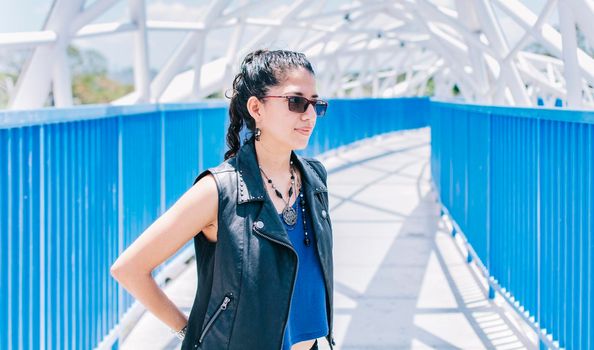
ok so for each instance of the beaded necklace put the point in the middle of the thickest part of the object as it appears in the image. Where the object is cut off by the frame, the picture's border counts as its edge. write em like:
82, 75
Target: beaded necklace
289, 214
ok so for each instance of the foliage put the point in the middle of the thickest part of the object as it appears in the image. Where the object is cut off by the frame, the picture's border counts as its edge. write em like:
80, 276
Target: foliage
91, 81
86, 61
429, 87
97, 88
216, 95
455, 90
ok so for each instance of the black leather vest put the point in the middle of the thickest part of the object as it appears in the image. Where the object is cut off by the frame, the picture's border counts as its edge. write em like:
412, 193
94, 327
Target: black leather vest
246, 278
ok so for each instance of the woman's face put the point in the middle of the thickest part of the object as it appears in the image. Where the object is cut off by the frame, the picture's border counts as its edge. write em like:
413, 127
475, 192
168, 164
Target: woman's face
280, 126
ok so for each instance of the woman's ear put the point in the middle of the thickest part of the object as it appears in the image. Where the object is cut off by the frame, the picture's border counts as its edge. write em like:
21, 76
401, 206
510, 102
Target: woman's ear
254, 107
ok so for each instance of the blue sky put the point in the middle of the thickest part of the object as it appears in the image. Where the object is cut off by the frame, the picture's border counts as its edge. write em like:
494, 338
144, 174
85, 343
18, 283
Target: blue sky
29, 15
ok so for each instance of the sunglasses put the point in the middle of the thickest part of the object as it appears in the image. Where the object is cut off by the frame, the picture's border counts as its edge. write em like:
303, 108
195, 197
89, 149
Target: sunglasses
299, 104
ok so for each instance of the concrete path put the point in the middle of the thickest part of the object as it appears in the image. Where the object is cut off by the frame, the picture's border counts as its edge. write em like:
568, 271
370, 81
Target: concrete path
401, 280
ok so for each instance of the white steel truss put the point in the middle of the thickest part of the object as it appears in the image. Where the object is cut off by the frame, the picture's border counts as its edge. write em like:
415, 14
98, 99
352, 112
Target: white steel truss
378, 48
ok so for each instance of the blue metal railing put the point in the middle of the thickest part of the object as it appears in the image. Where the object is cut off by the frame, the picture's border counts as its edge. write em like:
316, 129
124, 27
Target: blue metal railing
79, 185
73, 195
519, 184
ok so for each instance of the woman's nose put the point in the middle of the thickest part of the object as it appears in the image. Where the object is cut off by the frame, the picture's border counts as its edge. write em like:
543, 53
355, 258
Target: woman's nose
310, 112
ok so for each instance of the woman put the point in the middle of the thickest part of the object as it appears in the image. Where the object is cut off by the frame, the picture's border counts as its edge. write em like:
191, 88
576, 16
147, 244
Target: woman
259, 221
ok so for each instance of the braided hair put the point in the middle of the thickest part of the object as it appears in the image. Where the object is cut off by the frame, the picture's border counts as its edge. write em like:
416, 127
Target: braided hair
259, 71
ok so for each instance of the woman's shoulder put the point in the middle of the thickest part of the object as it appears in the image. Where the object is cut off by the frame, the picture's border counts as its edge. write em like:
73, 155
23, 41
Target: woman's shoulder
315, 161
226, 166
317, 165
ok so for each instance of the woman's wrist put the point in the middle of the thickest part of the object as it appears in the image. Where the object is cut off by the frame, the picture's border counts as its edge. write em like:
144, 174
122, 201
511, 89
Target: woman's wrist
181, 334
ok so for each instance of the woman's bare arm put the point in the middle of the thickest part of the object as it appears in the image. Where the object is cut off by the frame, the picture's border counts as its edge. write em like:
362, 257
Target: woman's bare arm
193, 211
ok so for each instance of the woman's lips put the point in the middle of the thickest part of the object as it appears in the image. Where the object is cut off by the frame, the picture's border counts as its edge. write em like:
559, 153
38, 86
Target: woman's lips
304, 131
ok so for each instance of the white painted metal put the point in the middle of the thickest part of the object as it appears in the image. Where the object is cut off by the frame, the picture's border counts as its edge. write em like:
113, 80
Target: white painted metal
493, 32
570, 68
90, 13
182, 54
358, 48
100, 29
24, 39
141, 58
47, 65
61, 77
583, 12
198, 60
175, 26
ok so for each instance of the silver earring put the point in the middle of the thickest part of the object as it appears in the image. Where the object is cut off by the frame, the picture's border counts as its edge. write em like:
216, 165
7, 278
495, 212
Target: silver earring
258, 133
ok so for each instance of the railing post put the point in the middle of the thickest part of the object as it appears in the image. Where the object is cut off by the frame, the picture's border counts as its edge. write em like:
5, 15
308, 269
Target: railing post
120, 303
163, 204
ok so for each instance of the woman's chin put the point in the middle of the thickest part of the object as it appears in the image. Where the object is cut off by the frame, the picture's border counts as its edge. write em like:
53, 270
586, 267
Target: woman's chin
300, 144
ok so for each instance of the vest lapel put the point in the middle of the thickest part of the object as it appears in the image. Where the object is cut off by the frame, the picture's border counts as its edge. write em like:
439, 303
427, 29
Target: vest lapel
314, 188
250, 188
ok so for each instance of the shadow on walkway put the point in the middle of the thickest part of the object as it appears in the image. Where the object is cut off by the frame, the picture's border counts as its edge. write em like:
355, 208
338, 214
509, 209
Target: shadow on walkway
401, 280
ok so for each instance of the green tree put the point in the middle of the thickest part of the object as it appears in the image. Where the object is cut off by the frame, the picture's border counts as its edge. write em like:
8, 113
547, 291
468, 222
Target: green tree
86, 61
91, 82
430, 87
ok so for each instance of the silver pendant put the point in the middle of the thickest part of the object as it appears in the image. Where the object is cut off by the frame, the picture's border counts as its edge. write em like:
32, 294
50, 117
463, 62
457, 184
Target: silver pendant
289, 216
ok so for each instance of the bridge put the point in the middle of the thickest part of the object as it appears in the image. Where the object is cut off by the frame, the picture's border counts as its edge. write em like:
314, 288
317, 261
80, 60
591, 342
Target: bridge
461, 220
449, 219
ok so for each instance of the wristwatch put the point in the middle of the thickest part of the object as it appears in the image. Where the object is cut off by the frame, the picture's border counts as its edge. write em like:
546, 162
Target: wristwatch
181, 334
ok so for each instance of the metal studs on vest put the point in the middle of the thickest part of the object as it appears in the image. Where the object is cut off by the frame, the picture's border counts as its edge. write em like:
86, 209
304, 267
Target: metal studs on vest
324, 214
259, 224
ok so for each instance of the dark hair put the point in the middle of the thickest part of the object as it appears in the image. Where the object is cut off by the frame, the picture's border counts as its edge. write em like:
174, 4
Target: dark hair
259, 71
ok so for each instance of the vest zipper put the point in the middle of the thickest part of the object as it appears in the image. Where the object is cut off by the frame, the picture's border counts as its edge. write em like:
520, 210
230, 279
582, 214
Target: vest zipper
294, 273
214, 317
330, 336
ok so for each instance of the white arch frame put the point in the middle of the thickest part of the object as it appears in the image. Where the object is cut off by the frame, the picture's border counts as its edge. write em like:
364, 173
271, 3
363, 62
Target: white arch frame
463, 46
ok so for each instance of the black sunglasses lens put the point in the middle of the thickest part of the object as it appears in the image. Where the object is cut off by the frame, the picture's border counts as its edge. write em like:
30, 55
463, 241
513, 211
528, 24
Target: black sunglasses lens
321, 107
297, 104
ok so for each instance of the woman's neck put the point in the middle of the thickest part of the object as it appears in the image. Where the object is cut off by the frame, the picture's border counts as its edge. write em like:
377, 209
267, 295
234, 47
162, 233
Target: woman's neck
274, 160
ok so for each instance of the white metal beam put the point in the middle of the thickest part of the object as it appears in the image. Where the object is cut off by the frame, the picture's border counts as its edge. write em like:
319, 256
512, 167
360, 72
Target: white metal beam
48, 62
141, 58
491, 28
467, 40
573, 81
583, 13
549, 37
268, 33
90, 13
21, 40
198, 62
103, 29
185, 50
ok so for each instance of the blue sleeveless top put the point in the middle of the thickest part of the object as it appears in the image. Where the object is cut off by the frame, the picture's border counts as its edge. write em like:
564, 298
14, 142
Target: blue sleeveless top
307, 316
